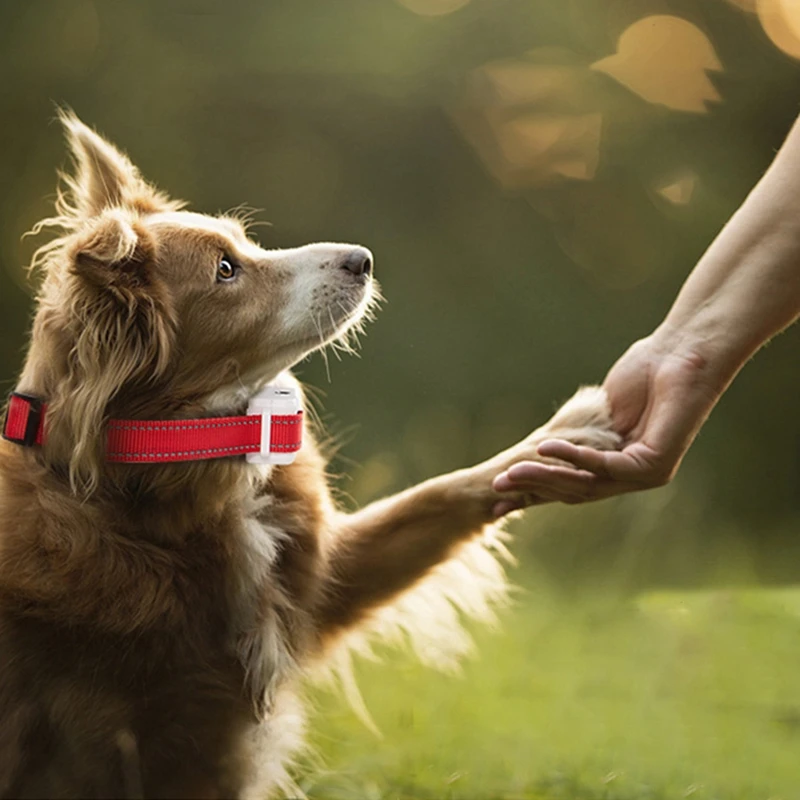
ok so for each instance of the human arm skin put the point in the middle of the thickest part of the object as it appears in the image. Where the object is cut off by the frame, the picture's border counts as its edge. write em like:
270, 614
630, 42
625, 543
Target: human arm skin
743, 291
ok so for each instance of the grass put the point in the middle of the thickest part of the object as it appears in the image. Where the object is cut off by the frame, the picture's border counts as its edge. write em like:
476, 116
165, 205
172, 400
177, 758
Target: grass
666, 696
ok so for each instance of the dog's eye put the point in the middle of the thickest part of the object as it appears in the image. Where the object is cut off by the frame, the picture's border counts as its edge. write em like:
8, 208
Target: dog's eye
226, 271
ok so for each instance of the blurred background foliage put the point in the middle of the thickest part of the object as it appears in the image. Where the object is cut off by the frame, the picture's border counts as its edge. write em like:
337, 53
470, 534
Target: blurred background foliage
535, 177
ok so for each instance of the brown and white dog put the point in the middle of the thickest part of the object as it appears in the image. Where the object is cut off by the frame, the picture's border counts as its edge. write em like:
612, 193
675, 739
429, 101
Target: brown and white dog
155, 619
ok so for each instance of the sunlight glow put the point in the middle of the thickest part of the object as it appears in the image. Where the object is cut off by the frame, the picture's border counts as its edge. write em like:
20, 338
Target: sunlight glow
665, 59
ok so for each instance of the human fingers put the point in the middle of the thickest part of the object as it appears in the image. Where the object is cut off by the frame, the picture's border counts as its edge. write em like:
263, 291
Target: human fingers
580, 456
639, 463
520, 499
542, 483
524, 472
562, 484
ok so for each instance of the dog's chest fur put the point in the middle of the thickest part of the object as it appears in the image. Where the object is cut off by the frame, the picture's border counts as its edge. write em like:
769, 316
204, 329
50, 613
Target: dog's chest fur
258, 606
213, 628
272, 572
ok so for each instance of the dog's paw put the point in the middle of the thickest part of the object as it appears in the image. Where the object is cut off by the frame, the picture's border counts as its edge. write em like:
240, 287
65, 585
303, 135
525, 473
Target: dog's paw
585, 419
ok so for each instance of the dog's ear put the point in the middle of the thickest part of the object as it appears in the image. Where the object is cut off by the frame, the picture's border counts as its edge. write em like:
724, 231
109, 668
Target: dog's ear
123, 328
114, 250
103, 177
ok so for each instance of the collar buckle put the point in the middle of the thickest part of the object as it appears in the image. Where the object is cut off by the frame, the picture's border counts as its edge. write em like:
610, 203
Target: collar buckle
16, 404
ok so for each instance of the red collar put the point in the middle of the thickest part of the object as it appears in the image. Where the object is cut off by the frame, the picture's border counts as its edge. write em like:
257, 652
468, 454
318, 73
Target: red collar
263, 435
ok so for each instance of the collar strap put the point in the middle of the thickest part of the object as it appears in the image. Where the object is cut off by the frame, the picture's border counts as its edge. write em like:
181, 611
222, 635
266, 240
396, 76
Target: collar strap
270, 433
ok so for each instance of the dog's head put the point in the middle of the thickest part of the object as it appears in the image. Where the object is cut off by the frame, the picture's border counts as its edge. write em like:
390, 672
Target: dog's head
147, 309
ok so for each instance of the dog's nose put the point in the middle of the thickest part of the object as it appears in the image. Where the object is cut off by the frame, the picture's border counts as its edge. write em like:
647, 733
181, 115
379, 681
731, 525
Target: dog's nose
359, 261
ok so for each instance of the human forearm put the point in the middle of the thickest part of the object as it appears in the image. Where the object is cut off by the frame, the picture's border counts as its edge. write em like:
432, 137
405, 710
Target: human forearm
746, 288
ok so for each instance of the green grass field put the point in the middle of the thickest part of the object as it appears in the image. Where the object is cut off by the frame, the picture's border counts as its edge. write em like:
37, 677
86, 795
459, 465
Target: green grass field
666, 696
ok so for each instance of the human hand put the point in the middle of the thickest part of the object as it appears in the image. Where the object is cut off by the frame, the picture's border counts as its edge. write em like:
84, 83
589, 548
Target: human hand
583, 421
659, 398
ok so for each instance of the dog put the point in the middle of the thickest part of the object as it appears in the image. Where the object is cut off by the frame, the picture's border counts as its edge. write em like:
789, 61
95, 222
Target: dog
157, 616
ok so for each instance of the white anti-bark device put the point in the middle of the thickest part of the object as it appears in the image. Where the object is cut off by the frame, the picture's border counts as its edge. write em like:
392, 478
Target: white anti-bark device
278, 406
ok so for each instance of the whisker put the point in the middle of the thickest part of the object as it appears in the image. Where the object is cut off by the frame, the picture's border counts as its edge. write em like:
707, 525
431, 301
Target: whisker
323, 349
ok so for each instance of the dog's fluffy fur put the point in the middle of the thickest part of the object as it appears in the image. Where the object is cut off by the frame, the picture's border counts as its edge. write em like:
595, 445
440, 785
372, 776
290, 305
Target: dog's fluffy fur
155, 619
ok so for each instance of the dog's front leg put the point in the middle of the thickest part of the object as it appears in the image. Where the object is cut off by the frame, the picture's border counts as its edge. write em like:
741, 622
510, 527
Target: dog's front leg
385, 548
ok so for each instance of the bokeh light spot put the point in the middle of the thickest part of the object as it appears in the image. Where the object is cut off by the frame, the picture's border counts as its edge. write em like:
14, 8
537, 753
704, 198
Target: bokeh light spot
745, 5
433, 8
665, 59
522, 119
557, 145
519, 82
781, 22
377, 476
679, 190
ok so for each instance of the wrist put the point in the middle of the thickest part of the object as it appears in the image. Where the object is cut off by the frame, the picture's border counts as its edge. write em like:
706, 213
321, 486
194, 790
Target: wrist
712, 347
464, 496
